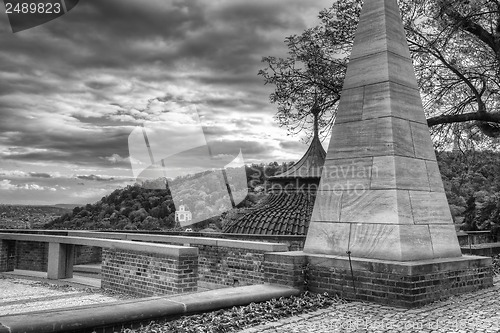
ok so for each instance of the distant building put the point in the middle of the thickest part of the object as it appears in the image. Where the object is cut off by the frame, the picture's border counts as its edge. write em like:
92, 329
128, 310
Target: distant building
183, 216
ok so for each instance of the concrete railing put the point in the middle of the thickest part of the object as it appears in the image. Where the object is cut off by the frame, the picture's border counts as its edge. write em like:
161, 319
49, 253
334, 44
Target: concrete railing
474, 237
218, 262
113, 243
184, 240
221, 262
128, 266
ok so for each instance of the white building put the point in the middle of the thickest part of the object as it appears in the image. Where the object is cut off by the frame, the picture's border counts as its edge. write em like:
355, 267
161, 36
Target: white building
183, 216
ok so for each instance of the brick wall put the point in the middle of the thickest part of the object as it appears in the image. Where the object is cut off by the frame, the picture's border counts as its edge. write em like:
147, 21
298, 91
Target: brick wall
227, 266
7, 255
399, 285
32, 256
221, 262
148, 274
4, 256
224, 266
87, 254
286, 268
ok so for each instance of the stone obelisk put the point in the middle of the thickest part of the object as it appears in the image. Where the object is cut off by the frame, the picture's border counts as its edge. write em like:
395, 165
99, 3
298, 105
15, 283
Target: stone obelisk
381, 229
381, 194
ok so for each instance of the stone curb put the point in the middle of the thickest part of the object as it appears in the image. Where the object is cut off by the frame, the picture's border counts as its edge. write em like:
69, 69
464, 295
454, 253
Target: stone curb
83, 318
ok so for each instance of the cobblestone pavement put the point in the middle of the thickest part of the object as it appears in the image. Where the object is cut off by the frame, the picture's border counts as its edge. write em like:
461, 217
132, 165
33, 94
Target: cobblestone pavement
473, 312
22, 295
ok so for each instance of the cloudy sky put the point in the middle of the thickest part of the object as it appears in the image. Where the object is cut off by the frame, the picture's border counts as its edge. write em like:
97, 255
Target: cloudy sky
73, 90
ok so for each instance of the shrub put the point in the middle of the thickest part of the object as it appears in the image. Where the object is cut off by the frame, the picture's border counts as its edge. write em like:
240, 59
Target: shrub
236, 318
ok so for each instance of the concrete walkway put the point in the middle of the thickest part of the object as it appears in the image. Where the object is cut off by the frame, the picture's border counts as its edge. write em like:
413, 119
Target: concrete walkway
473, 312
114, 315
25, 294
94, 269
85, 279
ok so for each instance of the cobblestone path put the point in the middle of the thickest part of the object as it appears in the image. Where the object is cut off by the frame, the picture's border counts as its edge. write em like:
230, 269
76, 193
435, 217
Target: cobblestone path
473, 312
21, 296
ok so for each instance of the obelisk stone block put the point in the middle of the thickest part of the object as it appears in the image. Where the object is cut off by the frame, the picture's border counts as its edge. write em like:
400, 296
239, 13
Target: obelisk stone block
381, 228
380, 190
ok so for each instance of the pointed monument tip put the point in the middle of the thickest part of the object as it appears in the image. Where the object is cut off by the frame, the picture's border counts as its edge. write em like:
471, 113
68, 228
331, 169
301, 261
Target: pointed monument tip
380, 52
380, 29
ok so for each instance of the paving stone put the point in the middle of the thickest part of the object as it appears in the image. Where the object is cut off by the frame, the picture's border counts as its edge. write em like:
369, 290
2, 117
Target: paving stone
21, 296
473, 312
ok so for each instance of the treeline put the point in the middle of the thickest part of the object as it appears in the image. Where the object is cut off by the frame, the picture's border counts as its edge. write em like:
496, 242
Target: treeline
471, 180
151, 206
472, 185
19, 217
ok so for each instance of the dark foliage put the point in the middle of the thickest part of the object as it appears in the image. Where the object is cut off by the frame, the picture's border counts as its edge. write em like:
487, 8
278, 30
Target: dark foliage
496, 265
455, 50
139, 207
236, 318
133, 207
20, 217
471, 181
472, 185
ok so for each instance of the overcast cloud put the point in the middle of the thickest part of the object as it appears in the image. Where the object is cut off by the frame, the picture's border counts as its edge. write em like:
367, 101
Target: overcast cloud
72, 90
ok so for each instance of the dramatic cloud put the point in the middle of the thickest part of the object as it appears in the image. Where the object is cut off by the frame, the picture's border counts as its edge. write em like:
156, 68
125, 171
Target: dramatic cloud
95, 178
39, 175
5, 184
72, 90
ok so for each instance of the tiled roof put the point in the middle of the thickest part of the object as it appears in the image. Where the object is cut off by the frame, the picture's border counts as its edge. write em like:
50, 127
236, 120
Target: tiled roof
278, 214
287, 212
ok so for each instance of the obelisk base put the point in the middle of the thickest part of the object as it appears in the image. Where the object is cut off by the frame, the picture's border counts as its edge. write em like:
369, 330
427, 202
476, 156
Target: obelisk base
408, 284
402, 284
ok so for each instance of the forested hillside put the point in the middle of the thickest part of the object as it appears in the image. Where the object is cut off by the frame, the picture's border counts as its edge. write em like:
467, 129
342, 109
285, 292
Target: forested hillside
471, 180
25, 217
472, 184
148, 207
